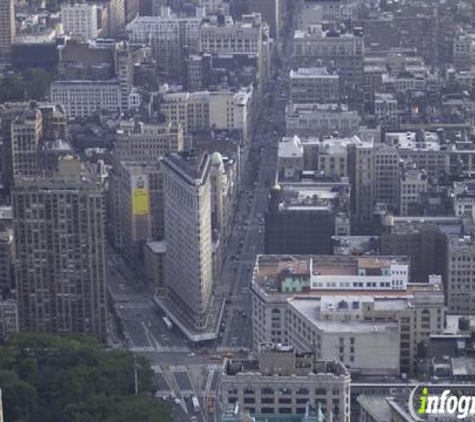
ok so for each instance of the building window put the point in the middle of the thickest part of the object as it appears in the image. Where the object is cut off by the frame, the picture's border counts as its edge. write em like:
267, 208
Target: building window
285, 401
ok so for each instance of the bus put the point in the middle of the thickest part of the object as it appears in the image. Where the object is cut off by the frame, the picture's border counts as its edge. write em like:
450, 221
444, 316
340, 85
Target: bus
196, 403
167, 322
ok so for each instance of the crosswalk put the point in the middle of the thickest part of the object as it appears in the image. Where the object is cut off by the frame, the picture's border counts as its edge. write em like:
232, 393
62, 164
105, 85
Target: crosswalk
214, 366
182, 379
209, 381
128, 300
228, 349
132, 305
240, 296
179, 368
160, 349
173, 349
142, 349
163, 387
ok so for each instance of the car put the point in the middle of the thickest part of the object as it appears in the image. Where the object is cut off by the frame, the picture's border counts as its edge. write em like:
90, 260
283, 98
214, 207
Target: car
190, 355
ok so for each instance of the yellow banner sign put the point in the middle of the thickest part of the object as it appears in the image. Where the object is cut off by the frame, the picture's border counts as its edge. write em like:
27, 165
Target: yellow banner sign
140, 202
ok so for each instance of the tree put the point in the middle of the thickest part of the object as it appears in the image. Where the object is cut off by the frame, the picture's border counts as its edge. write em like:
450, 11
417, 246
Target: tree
71, 379
37, 83
140, 408
32, 84
12, 88
19, 397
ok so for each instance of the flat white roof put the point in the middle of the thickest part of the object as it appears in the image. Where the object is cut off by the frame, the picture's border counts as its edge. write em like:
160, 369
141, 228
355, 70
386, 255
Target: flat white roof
159, 246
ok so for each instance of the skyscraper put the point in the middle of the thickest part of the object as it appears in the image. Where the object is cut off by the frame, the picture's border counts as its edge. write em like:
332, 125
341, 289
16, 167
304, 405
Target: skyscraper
60, 246
272, 13
188, 233
137, 151
25, 127
27, 132
7, 27
115, 17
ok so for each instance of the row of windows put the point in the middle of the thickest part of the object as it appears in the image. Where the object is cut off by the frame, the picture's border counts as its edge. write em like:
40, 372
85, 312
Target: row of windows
288, 391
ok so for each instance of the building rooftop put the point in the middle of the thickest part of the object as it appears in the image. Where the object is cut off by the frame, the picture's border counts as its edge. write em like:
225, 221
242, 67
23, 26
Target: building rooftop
290, 146
336, 145
317, 31
232, 413
6, 212
193, 164
465, 188
355, 245
463, 366
140, 168
377, 406
324, 264
323, 195
6, 236
461, 242
423, 140
158, 246
290, 363
439, 220
58, 145
297, 108
384, 96
272, 271
316, 309
312, 72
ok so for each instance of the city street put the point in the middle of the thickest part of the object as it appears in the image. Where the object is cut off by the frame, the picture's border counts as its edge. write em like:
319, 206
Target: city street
144, 329
183, 370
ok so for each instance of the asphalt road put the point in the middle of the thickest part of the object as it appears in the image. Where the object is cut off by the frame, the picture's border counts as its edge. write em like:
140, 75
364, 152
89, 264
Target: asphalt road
144, 328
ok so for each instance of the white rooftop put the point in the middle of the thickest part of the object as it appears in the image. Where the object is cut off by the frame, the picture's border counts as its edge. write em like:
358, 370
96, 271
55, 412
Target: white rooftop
407, 140
312, 72
290, 146
159, 246
312, 310
6, 212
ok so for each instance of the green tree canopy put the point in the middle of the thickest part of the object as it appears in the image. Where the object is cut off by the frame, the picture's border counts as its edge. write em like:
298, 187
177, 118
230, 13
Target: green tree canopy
33, 84
71, 379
